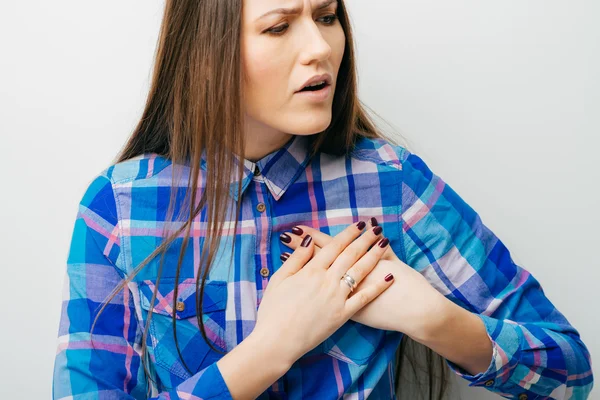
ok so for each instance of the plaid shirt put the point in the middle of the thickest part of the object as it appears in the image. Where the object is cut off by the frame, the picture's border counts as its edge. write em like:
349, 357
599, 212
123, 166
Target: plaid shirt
537, 354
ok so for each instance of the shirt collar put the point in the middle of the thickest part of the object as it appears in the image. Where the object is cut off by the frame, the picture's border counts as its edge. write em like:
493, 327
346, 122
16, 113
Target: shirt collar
279, 168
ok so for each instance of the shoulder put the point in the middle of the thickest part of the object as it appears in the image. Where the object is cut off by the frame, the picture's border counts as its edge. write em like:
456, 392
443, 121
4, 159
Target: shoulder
108, 194
144, 166
100, 195
380, 151
400, 164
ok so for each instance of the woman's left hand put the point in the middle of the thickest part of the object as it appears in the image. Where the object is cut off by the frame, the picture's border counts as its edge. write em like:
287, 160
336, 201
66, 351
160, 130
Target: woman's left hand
410, 305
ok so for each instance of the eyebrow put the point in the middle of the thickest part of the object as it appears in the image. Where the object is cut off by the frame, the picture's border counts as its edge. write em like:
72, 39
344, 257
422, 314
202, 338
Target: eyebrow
291, 11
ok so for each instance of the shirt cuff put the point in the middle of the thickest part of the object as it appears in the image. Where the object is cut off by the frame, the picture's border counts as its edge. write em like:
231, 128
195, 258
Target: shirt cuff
206, 384
505, 338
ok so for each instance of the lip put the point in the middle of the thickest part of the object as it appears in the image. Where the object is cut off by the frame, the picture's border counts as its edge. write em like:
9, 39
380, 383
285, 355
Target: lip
319, 95
317, 78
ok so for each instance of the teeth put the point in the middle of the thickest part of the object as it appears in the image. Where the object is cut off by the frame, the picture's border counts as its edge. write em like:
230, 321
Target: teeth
316, 84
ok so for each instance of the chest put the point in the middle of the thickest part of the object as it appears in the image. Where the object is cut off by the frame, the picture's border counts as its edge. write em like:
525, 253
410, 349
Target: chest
241, 271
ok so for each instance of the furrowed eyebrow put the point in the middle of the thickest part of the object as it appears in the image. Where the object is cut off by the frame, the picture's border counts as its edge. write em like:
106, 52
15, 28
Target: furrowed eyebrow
292, 11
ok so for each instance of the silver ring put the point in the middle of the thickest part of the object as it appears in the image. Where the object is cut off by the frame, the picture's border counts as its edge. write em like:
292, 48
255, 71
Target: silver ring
349, 281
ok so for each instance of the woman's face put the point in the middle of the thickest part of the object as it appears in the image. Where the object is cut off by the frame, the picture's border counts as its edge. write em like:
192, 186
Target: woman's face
280, 53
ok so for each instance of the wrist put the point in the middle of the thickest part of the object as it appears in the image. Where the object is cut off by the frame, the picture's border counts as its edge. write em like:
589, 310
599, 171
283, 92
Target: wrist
442, 314
251, 367
459, 336
272, 349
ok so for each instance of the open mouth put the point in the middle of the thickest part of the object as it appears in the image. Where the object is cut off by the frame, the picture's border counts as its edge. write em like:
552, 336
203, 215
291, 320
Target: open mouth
315, 88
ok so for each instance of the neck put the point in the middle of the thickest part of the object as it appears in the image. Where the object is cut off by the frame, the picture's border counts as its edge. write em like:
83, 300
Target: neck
262, 140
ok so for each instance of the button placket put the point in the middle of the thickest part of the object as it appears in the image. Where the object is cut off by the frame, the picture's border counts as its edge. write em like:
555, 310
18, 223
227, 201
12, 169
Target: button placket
264, 228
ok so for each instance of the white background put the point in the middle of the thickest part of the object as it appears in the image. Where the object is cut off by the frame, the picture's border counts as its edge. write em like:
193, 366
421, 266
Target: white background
501, 99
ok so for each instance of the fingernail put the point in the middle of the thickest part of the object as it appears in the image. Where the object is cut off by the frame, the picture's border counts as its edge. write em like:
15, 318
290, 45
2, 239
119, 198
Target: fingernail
361, 225
389, 277
284, 256
306, 241
384, 242
297, 231
285, 238
377, 230
374, 221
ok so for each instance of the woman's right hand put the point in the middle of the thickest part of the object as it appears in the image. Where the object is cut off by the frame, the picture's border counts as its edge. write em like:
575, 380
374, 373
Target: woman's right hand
306, 300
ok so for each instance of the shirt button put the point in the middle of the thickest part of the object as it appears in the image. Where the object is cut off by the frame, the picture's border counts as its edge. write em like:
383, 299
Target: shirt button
489, 383
180, 306
523, 396
256, 171
264, 272
261, 207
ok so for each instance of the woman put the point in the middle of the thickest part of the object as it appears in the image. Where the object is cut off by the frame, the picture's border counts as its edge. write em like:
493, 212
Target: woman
252, 132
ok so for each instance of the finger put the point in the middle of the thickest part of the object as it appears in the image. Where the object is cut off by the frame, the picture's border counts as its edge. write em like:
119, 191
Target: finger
329, 253
364, 266
321, 239
366, 295
373, 222
354, 252
299, 231
295, 261
285, 255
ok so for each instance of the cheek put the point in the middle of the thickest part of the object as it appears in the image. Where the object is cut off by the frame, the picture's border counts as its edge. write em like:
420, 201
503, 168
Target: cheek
258, 71
338, 45
265, 72
262, 64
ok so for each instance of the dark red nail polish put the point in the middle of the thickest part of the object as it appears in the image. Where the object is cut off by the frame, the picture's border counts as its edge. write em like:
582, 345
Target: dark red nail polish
374, 221
377, 230
361, 225
389, 277
284, 256
306, 241
384, 242
297, 231
285, 238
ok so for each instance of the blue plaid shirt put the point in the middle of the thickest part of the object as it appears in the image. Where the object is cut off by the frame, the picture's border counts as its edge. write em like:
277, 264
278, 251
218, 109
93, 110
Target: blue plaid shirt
537, 354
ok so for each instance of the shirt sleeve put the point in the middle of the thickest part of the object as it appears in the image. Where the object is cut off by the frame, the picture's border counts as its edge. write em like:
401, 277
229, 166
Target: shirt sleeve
536, 352
109, 366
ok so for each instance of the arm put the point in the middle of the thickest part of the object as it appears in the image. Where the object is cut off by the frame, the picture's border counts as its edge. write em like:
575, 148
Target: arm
113, 369
535, 350
459, 336
255, 357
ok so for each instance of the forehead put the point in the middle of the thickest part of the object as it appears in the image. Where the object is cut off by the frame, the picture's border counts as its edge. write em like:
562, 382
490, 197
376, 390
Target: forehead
255, 9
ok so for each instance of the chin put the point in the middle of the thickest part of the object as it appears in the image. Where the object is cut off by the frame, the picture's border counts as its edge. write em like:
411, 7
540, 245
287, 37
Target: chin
309, 125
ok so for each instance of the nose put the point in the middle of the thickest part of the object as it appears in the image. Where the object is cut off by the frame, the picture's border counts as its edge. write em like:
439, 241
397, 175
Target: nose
315, 47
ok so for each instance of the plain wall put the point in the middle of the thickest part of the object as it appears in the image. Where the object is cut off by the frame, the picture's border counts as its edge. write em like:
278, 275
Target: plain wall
501, 99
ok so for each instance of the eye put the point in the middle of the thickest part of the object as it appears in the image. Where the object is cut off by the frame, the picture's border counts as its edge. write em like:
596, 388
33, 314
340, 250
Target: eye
331, 19
280, 29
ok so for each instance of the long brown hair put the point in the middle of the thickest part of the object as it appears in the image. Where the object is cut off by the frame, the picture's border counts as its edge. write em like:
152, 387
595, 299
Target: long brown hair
195, 104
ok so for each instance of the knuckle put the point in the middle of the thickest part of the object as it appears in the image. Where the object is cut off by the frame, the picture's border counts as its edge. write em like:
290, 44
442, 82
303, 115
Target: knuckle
303, 252
357, 272
363, 299
337, 315
353, 252
313, 273
336, 246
